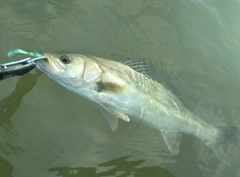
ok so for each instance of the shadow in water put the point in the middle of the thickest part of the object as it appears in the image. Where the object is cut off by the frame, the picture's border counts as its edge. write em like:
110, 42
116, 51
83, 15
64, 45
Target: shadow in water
9, 105
120, 167
6, 168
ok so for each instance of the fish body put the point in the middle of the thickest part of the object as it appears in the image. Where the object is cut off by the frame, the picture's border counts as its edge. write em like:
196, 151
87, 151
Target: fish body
123, 92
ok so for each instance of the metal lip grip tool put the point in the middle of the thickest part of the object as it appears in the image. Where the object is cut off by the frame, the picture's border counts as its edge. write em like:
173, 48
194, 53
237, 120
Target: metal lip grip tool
20, 67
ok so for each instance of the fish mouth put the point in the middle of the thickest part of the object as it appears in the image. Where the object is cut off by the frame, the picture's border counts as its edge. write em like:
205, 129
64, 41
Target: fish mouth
48, 65
42, 66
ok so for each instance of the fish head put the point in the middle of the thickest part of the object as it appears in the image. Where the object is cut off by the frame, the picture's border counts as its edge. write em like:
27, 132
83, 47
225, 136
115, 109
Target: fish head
70, 70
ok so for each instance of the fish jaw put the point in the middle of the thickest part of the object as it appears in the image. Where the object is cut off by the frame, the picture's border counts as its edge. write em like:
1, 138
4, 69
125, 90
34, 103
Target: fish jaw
48, 66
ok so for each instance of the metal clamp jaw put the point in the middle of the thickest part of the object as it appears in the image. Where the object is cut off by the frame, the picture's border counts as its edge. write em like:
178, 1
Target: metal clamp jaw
18, 68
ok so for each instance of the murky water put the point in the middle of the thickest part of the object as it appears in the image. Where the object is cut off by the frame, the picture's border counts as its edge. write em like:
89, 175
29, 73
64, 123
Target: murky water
47, 131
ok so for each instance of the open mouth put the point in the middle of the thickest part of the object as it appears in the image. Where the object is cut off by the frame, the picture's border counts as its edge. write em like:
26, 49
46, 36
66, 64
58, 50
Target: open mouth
42, 66
49, 66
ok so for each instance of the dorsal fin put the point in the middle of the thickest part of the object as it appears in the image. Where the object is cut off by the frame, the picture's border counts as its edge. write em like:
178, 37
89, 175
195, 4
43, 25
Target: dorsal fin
146, 67
141, 66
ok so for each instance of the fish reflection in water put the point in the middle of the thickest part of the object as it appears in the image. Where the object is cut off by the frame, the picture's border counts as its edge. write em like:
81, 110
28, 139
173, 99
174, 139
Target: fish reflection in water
119, 167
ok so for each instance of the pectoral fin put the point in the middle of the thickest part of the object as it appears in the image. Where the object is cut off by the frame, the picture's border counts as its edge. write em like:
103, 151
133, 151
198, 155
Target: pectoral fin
112, 116
172, 140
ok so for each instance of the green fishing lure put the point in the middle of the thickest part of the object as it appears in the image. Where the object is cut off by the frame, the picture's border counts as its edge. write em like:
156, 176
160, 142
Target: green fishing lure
20, 51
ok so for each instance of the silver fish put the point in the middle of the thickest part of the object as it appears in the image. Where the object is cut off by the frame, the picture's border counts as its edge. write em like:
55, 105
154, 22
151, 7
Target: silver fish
123, 92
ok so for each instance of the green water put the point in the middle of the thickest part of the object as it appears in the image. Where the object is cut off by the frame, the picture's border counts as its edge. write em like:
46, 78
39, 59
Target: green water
47, 131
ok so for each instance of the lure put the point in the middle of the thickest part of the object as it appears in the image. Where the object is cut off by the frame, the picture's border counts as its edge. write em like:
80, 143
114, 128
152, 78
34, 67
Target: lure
20, 51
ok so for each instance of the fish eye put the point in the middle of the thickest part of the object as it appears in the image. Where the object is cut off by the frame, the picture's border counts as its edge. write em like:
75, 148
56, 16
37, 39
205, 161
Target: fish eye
65, 59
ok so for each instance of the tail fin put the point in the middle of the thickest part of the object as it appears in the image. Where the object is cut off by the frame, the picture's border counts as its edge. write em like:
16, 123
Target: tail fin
222, 142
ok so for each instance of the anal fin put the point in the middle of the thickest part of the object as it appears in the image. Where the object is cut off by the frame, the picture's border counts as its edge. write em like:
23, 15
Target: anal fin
172, 140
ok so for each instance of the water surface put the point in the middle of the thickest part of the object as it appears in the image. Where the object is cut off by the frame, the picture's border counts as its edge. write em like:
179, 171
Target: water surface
47, 131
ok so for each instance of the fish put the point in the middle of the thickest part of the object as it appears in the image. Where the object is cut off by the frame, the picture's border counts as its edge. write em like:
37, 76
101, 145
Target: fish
124, 90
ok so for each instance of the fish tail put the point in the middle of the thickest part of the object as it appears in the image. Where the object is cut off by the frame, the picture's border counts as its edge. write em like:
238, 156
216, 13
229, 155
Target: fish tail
223, 140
